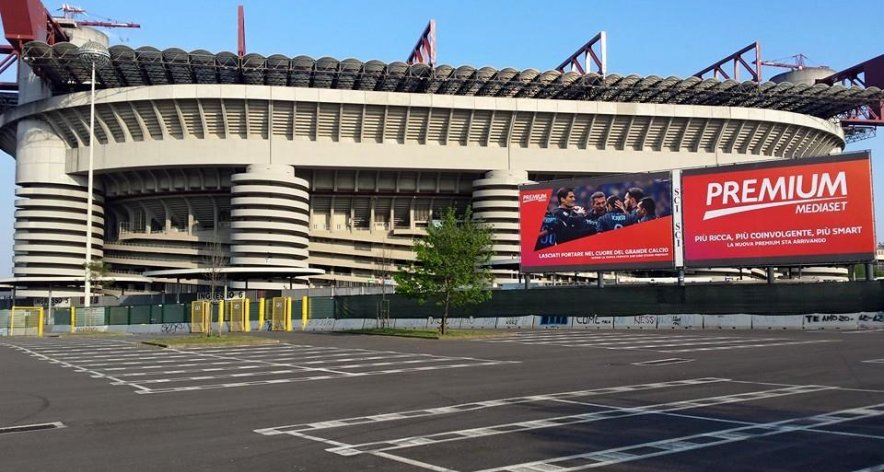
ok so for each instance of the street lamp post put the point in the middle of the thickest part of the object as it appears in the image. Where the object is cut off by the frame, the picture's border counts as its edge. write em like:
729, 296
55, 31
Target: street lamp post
93, 55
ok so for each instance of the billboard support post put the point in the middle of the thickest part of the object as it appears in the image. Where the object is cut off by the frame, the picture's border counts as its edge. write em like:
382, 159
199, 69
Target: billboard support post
770, 275
600, 281
680, 277
870, 271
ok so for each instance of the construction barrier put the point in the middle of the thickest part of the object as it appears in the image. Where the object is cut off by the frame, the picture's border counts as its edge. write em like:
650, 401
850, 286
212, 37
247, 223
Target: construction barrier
592, 322
816, 321
636, 322
870, 320
472, 323
680, 321
727, 322
352, 324
778, 322
416, 323
321, 324
515, 322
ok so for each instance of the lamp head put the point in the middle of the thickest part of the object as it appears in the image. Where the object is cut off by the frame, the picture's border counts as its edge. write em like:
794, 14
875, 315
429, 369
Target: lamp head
93, 53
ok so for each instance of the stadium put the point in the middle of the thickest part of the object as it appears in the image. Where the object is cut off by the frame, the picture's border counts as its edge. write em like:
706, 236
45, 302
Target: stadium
321, 172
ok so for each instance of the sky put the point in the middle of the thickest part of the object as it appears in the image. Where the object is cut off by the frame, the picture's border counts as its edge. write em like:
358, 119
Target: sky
644, 37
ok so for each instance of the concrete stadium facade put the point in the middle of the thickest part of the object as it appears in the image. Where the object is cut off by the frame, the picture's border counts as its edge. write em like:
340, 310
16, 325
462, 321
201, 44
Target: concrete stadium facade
326, 180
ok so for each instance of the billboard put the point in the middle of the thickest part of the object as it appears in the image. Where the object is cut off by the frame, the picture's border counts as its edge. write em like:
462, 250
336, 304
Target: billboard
793, 212
578, 224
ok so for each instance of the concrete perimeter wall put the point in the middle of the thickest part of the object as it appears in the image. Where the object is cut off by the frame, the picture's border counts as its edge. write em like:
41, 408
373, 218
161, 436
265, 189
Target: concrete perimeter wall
816, 321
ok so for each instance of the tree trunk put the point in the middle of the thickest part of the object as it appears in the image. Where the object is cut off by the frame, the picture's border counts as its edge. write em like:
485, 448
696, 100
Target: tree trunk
445, 315
211, 307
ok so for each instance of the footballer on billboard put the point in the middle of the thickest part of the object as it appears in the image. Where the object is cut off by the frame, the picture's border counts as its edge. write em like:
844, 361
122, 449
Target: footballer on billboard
794, 212
615, 222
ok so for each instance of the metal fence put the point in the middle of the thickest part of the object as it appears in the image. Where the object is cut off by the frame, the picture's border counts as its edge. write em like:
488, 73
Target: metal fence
760, 299
631, 300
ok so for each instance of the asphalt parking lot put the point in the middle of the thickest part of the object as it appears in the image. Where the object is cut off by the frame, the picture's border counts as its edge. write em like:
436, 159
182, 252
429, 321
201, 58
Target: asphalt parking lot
530, 401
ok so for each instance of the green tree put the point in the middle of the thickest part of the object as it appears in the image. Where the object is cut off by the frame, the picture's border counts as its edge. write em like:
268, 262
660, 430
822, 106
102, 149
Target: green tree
858, 271
97, 272
451, 267
215, 259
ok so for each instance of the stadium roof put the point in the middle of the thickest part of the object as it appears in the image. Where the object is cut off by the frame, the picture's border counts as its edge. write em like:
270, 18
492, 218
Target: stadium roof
60, 65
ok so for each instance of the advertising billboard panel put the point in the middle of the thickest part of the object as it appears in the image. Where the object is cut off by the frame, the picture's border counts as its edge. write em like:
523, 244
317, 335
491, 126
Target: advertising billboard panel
794, 212
578, 225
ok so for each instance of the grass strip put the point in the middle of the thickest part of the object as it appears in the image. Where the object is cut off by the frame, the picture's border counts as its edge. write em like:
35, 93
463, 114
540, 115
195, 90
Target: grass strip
428, 333
199, 340
95, 333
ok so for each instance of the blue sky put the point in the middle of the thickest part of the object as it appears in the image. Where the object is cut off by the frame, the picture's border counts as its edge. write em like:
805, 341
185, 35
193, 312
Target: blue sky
644, 37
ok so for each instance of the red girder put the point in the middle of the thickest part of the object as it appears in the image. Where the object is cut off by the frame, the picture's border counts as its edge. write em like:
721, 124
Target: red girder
586, 51
866, 74
872, 71
9, 57
738, 60
28, 20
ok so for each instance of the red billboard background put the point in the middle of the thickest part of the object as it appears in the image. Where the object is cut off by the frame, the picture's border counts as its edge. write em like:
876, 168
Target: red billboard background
643, 245
814, 210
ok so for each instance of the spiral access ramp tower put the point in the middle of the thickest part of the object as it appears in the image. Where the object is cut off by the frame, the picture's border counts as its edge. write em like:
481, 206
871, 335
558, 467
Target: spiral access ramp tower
50, 230
269, 217
496, 202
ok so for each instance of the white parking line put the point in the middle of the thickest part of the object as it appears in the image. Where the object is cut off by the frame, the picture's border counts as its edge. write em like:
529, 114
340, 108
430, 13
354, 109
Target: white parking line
649, 341
671, 360
700, 342
875, 468
747, 346
227, 367
321, 377
93, 373
607, 413
737, 432
693, 442
285, 363
464, 407
24, 428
